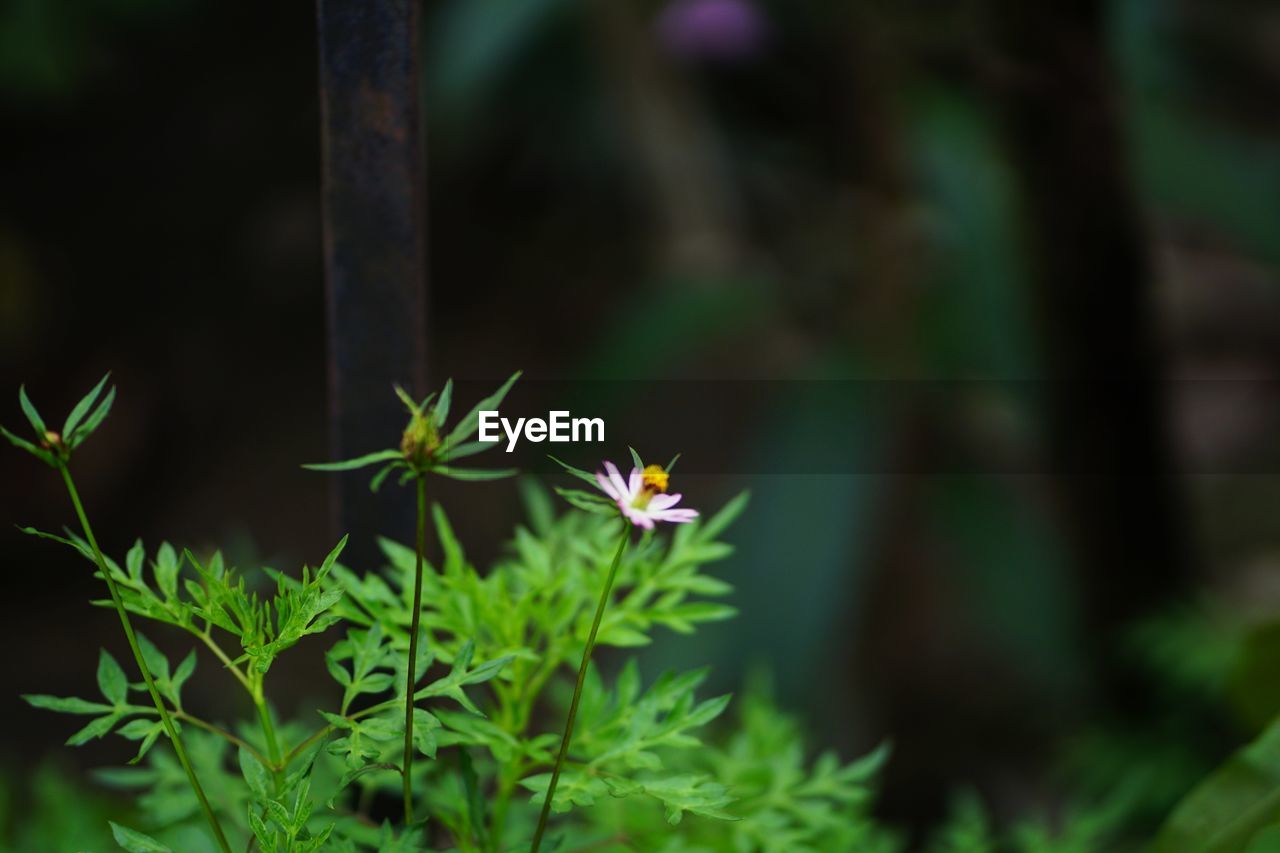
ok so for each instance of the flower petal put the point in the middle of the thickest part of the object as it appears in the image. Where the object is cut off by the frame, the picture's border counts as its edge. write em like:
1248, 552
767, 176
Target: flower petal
635, 481
616, 478
607, 487
676, 516
661, 502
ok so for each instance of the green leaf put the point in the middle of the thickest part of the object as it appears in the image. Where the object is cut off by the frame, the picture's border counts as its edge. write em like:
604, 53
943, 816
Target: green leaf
424, 732
134, 559
575, 788
301, 773
635, 458
449, 544
1234, 803
166, 568
144, 730
460, 675
683, 617
467, 448
65, 704
82, 407
471, 421
378, 478
22, 444
91, 423
355, 773
474, 474
154, 658
598, 504
332, 557
266, 840
111, 679
441, 411
584, 476
464, 727
414, 408
136, 842
181, 674
696, 794
96, 729
37, 423
137, 728
62, 540
359, 462
279, 814
255, 775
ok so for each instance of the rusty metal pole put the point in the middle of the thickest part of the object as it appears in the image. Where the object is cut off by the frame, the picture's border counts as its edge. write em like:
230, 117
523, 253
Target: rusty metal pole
374, 198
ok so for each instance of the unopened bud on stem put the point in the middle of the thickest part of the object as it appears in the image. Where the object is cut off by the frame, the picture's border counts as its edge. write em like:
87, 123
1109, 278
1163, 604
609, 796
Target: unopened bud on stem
420, 440
52, 441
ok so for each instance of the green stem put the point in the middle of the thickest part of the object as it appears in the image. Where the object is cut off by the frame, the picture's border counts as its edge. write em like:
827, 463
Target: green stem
142, 664
411, 665
222, 733
179, 714
577, 690
268, 729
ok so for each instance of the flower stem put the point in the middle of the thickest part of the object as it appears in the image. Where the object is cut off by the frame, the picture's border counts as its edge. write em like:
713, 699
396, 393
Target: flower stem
142, 664
268, 730
577, 690
411, 665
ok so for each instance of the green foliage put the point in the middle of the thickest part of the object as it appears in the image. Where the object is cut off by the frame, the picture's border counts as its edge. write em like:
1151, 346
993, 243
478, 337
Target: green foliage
782, 800
621, 735
496, 654
47, 808
651, 765
114, 688
968, 828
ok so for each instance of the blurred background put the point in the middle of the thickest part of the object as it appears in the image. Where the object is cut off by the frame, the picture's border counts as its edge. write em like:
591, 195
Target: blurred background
1079, 197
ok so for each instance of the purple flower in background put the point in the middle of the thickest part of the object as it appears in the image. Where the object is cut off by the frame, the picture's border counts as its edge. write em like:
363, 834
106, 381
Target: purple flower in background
714, 30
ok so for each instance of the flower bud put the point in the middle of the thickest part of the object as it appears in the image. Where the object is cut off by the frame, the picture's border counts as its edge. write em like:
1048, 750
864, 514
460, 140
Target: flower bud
420, 440
52, 441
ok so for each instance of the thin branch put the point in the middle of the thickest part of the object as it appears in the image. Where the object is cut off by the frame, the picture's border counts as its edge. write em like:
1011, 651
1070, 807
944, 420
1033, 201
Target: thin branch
179, 714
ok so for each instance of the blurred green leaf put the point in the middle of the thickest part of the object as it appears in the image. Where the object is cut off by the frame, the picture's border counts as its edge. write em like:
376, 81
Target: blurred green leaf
1236, 802
29, 409
359, 462
136, 842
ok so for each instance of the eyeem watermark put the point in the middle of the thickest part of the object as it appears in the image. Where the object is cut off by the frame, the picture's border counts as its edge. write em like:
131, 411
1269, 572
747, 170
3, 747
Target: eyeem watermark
558, 427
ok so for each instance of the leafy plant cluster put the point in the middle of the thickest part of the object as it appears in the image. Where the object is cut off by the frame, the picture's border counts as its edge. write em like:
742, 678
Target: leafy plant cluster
492, 670
471, 673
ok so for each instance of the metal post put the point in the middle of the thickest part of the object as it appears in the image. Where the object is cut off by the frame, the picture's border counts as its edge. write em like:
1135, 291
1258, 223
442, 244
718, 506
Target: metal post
374, 200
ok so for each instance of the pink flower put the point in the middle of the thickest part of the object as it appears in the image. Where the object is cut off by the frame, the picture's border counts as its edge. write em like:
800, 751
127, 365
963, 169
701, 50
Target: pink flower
643, 497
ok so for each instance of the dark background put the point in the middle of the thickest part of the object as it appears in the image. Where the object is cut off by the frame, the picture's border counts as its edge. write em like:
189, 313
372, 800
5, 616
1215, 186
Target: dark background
711, 190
